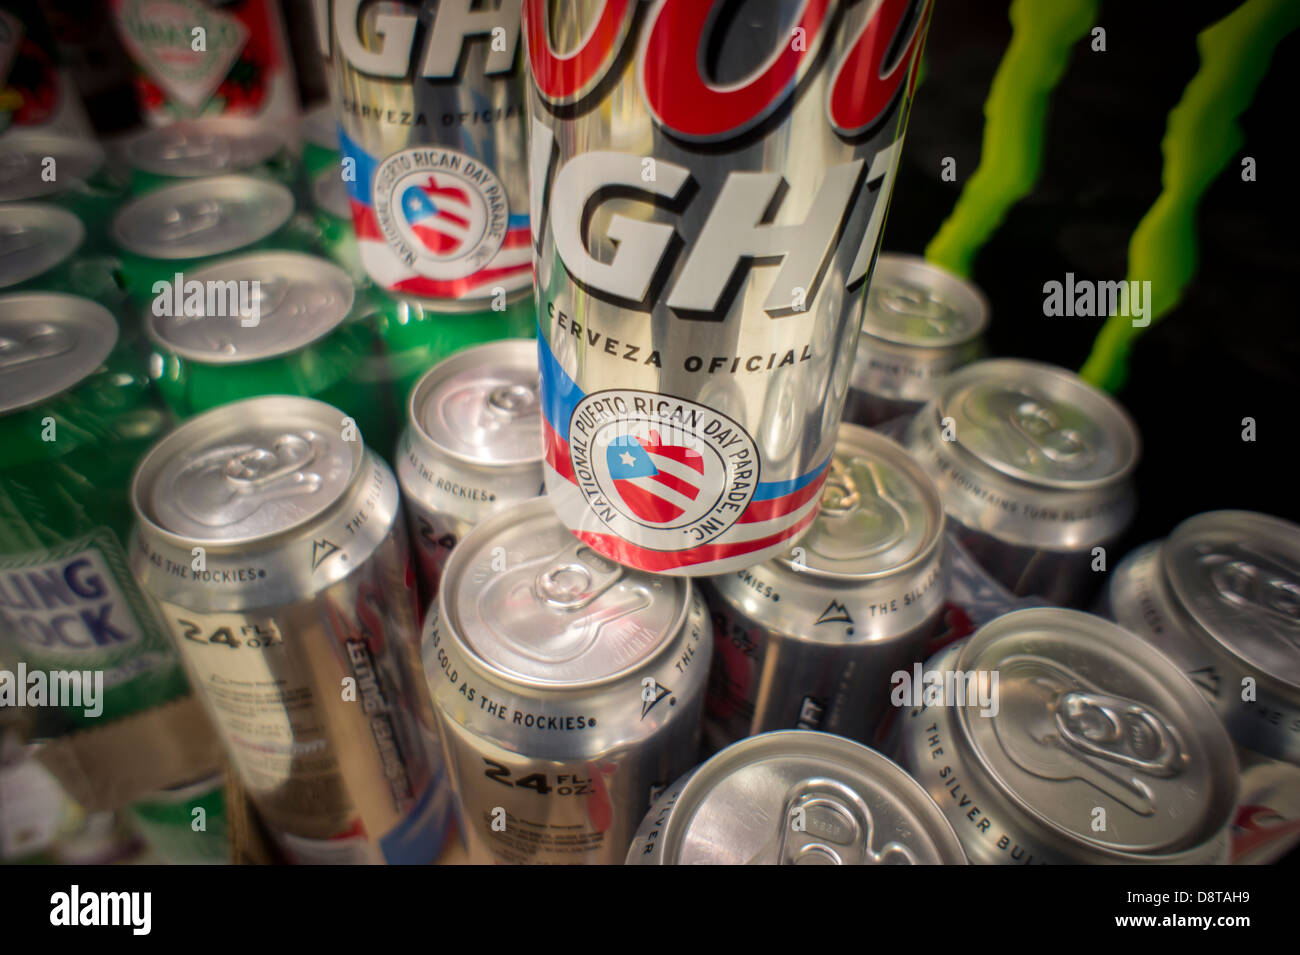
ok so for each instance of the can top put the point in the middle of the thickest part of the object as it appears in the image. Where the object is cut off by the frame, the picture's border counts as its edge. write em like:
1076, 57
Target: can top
329, 193
298, 299
49, 342
319, 127
1087, 717
34, 238
857, 808
205, 217
246, 471
481, 405
880, 514
1238, 575
537, 606
911, 302
24, 159
204, 147
1039, 423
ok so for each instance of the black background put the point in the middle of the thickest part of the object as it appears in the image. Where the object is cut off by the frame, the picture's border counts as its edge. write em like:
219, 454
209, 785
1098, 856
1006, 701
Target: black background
1230, 348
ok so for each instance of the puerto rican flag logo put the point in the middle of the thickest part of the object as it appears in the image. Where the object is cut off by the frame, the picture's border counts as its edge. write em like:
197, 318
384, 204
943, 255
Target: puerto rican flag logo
437, 224
658, 482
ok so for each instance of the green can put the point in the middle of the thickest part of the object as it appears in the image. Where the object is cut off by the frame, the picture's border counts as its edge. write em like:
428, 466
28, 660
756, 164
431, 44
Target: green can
212, 146
335, 236
76, 414
182, 227
44, 247
186, 825
319, 134
269, 323
70, 173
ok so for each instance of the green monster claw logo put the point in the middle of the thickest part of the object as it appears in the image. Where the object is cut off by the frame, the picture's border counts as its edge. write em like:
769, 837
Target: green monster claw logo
1201, 136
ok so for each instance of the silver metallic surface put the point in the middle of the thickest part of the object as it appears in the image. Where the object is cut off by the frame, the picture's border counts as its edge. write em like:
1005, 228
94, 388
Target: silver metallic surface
298, 299
1034, 467
276, 555
204, 147
810, 639
35, 238
49, 342
1221, 597
920, 324
24, 166
569, 690
1095, 750
796, 798
203, 217
472, 446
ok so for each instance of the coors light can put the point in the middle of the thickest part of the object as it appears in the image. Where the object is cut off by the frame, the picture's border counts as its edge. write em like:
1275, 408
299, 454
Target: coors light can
708, 191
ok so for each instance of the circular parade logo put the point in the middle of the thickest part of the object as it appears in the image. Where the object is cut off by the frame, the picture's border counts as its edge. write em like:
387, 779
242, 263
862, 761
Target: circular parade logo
659, 471
441, 209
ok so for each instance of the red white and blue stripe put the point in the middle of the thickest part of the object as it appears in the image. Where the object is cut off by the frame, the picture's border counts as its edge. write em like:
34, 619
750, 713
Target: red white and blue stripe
777, 512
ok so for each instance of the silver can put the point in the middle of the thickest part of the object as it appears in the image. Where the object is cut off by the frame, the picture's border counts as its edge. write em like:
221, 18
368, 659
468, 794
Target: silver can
796, 798
211, 146
35, 240
569, 689
708, 197
472, 446
1267, 824
276, 553
810, 639
25, 161
1035, 470
1090, 748
430, 99
1221, 597
920, 323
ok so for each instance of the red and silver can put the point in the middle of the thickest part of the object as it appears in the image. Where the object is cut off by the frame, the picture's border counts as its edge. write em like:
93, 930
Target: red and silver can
432, 126
796, 798
1053, 736
812, 639
275, 548
472, 446
568, 689
708, 190
1034, 467
1220, 596
921, 323
1267, 823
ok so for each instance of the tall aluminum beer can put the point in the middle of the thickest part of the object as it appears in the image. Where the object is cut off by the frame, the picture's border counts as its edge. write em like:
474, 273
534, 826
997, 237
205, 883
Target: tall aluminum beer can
1220, 596
1053, 736
796, 797
431, 117
1035, 468
811, 639
277, 554
568, 689
708, 191
472, 446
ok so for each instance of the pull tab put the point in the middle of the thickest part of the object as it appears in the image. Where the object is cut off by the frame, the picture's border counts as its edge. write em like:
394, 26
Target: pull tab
43, 342
915, 302
179, 145
1040, 425
1120, 731
190, 219
575, 577
840, 495
256, 467
511, 401
1263, 591
835, 828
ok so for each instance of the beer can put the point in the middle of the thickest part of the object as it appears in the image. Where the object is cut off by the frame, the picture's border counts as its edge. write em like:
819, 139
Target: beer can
1267, 823
1034, 467
176, 228
920, 323
1053, 736
267, 323
810, 639
242, 69
215, 146
472, 446
703, 238
76, 413
58, 169
186, 824
568, 689
796, 797
430, 99
43, 247
318, 135
333, 217
275, 551
1220, 596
